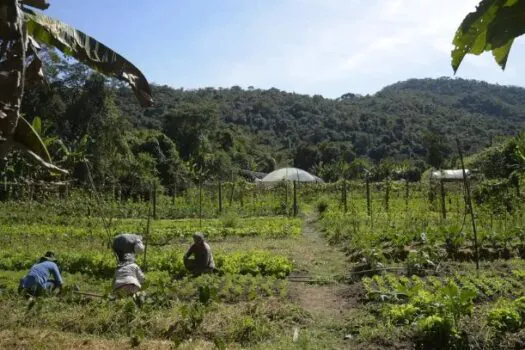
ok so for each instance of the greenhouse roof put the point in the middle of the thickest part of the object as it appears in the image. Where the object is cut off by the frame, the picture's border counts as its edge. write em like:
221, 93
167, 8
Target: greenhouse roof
291, 174
449, 174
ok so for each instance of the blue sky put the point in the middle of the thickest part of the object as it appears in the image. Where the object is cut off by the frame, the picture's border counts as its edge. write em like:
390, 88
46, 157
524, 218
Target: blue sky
327, 47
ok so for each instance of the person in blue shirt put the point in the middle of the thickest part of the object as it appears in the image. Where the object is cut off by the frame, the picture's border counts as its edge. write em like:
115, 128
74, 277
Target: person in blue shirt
37, 281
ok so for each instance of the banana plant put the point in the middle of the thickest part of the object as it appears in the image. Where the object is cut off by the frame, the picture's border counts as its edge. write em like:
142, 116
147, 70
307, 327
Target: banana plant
492, 27
22, 30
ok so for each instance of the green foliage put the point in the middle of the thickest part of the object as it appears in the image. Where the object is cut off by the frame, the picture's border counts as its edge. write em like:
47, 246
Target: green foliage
434, 331
417, 262
230, 220
322, 205
504, 318
492, 27
224, 130
403, 314
103, 264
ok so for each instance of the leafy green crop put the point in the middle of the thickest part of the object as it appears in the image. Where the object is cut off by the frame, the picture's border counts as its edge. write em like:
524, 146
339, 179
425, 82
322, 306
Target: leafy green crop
103, 264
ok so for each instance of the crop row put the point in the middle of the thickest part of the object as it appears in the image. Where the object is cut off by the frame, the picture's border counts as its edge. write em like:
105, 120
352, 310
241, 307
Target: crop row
103, 264
227, 288
434, 307
161, 288
161, 230
393, 287
394, 241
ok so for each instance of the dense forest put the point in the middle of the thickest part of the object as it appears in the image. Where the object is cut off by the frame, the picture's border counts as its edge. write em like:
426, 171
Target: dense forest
191, 135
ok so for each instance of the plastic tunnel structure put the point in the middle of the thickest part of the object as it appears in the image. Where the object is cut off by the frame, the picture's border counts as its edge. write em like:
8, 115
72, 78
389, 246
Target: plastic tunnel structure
290, 174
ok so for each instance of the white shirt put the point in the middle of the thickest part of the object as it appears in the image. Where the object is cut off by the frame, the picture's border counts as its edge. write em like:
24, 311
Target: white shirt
128, 274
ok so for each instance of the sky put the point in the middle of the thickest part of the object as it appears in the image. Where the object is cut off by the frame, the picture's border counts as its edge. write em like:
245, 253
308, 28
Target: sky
326, 47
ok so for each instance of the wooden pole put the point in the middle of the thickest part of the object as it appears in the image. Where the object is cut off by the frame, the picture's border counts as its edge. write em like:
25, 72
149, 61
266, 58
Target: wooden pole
200, 203
345, 197
154, 201
407, 193
468, 200
241, 194
387, 194
220, 197
286, 195
443, 200
174, 193
368, 199
295, 207
147, 241
231, 193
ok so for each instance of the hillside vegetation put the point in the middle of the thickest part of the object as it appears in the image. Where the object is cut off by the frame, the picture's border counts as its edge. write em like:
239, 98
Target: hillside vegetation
211, 133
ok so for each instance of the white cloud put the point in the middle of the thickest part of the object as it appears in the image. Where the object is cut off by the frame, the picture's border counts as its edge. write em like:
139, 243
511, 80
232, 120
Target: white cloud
308, 45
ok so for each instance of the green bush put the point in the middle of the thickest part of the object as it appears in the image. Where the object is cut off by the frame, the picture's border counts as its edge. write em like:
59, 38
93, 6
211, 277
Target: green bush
504, 318
230, 220
434, 332
519, 304
322, 205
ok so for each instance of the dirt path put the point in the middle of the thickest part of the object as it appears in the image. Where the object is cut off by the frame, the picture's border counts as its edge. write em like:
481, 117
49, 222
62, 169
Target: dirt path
326, 266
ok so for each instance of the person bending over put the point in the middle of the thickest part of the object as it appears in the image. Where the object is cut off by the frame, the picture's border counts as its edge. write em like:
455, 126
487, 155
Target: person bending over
37, 282
127, 243
128, 277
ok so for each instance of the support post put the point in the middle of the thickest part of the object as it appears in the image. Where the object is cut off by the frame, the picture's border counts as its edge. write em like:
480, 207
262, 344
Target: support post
387, 194
200, 203
468, 200
407, 193
147, 242
231, 193
295, 205
174, 193
220, 197
345, 197
443, 200
368, 199
154, 201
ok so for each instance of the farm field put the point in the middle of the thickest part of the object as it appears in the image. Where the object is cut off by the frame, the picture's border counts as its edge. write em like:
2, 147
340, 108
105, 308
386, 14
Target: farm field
395, 276
343, 214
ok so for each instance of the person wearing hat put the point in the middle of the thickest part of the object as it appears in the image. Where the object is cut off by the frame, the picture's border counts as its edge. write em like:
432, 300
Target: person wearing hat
37, 281
127, 243
203, 258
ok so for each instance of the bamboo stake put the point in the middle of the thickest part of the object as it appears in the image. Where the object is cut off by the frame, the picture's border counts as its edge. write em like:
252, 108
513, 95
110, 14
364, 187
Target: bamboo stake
443, 200
146, 238
468, 200
295, 205
105, 222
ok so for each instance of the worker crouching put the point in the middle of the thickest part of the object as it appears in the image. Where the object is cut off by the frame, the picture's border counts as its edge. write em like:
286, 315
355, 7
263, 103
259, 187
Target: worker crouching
37, 282
203, 257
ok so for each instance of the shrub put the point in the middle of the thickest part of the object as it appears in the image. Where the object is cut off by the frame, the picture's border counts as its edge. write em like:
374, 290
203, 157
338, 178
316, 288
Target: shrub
322, 205
434, 332
519, 304
230, 220
504, 318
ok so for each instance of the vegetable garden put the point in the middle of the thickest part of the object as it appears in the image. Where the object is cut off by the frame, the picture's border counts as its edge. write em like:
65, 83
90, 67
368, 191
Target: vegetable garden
409, 272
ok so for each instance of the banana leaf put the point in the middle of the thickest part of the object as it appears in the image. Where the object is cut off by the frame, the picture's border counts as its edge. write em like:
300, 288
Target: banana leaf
89, 51
493, 26
39, 4
28, 140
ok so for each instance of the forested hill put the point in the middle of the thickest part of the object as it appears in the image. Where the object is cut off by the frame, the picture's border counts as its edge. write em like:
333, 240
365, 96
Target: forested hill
401, 121
215, 132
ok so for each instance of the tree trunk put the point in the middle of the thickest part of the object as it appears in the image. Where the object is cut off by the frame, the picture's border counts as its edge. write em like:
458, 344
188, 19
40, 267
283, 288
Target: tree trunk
12, 69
